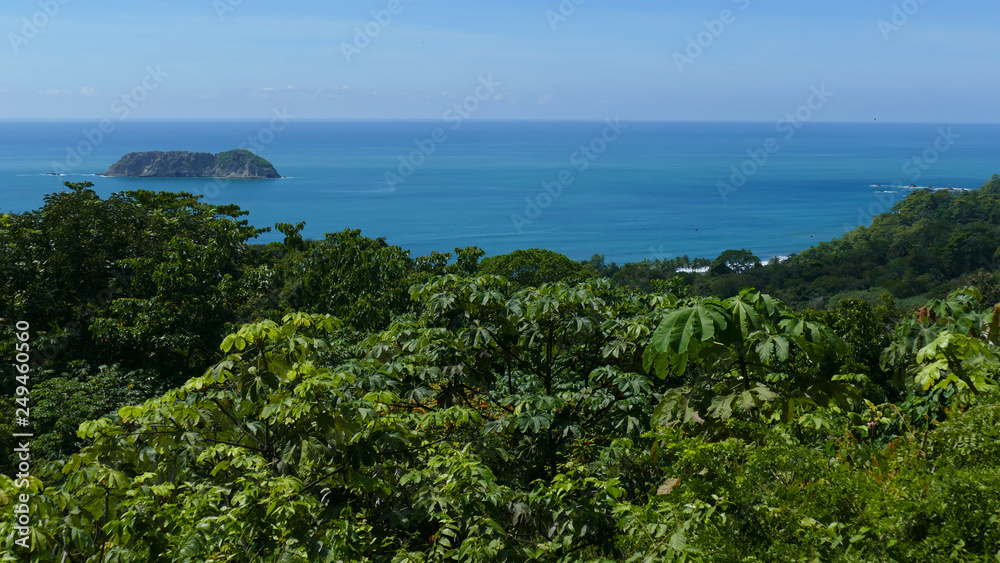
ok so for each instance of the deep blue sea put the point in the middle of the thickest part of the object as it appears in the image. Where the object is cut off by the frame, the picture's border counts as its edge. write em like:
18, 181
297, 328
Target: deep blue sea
630, 192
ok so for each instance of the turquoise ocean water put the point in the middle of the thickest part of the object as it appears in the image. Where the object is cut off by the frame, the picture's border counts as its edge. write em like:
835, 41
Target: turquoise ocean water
639, 190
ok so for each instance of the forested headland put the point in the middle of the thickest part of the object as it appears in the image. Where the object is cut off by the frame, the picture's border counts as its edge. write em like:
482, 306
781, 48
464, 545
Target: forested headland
196, 396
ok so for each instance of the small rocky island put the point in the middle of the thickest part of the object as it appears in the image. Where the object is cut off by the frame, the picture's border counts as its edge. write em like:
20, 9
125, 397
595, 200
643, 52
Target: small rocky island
239, 163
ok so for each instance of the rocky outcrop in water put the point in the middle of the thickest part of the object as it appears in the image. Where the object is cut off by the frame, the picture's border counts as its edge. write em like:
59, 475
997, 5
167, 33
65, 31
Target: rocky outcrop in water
237, 163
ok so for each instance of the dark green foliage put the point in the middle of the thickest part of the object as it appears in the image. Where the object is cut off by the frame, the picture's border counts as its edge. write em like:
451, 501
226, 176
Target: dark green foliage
867, 329
534, 267
361, 280
734, 262
648, 275
987, 285
511, 425
60, 403
226, 158
143, 281
923, 246
105, 280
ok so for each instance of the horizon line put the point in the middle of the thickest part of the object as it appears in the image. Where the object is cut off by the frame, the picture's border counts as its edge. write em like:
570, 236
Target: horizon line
480, 120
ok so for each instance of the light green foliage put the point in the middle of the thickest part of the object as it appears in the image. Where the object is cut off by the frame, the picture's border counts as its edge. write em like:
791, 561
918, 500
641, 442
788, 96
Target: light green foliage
947, 353
747, 354
225, 466
554, 363
419, 446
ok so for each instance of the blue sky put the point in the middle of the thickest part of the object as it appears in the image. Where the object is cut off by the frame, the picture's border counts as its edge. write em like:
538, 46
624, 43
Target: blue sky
602, 58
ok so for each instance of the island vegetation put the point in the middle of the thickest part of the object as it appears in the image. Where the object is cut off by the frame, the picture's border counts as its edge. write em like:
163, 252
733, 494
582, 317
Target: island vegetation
238, 163
199, 397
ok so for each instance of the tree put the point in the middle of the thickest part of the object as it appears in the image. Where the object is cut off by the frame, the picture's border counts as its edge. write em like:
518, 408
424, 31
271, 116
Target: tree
946, 355
747, 354
424, 448
361, 280
534, 267
502, 424
140, 282
566, 359
734, 262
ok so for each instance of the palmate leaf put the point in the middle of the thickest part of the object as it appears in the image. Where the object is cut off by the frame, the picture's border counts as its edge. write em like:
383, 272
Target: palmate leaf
722, 407
745, 318
814, 339
773, 346
793, 326
764, 393
958, 304
676, 405
664, 364
679, 336
700, 322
